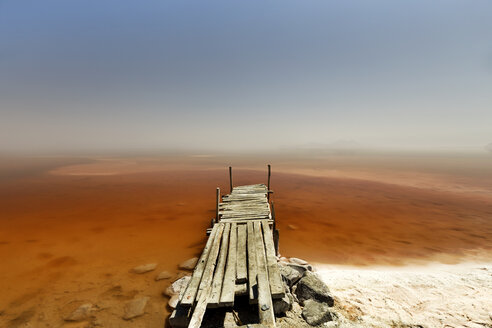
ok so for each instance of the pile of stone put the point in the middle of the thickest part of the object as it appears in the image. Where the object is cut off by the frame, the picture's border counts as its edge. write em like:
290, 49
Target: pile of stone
307, 299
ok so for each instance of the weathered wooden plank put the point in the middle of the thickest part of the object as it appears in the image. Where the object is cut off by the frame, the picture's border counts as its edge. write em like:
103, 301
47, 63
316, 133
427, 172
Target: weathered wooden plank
253, 210
241, 261
244, 213
260, 206
259, 216
247, 198
206, 282
245, 208
265, 304
276, 285
229, 284
214, 298
257, 208
244, 196
192, 289
240, 221
252, 270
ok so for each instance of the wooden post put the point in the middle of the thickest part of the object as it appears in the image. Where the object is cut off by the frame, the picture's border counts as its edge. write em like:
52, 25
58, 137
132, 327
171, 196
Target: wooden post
217, 206
230, 176
274, 230
268, 185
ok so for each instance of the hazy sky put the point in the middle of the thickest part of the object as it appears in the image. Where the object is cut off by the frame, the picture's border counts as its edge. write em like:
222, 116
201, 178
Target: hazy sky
84, 75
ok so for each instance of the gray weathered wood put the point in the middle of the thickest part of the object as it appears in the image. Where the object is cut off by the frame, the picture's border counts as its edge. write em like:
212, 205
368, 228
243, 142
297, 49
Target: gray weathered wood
217, 205
214, 298
252, 271
229, 284
241, 262
274, 277
192, 289
265, 304
206, 282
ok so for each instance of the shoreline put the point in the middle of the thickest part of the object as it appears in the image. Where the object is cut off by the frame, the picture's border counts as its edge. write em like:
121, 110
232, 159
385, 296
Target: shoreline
434, 295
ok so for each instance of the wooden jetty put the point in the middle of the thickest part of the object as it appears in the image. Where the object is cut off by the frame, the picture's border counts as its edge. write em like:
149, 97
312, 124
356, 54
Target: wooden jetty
239, 259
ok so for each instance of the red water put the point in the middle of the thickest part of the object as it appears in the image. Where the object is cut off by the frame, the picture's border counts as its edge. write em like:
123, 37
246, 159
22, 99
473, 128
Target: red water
66, 239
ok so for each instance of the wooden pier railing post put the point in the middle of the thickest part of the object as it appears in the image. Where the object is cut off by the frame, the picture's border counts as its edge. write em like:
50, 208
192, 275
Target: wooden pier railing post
268, 185
274, 230
217, 205
230, 176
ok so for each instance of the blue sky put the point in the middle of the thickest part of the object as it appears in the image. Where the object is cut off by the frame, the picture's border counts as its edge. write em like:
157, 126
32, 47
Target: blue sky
84, 75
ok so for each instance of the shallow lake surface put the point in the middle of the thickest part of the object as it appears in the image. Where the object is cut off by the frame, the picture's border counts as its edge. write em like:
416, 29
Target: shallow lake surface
71, 229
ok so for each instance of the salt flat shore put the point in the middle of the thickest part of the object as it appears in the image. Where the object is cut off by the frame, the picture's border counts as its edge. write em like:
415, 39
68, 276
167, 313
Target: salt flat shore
415, 296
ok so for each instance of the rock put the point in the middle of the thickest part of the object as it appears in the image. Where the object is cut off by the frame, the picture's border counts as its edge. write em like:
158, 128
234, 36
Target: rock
173, 301
311, 287
316, 313
135, 307
189, 264
282, 305
291, 275
145, 268
296, 260
301, 268
163, 275
81, 313
283, 259
176, 287
180, 275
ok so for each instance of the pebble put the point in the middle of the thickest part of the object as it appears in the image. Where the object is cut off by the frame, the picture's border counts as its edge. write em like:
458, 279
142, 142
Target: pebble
81, 313
296, 260
189, 264
177, 286
135, 307
145, 268
173, 301
163, 275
